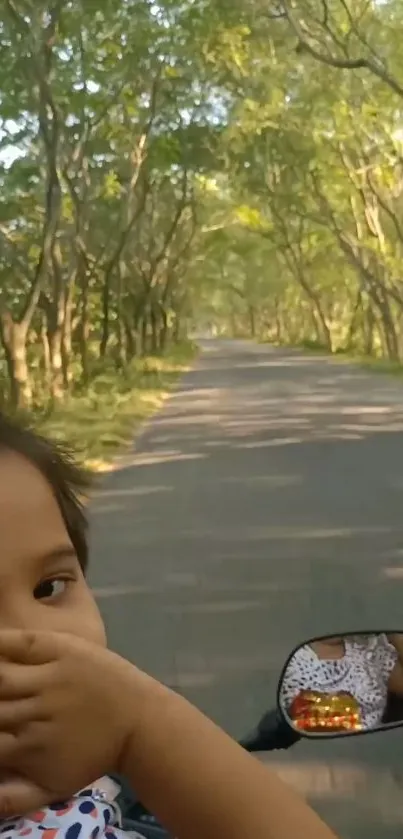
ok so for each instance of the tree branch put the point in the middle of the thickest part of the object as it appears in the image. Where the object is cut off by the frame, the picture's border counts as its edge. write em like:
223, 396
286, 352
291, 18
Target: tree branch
361, 63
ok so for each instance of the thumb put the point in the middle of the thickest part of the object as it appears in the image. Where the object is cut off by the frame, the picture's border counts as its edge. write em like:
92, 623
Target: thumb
19, 797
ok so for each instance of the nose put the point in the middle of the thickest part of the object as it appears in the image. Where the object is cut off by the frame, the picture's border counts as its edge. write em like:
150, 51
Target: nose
16, 613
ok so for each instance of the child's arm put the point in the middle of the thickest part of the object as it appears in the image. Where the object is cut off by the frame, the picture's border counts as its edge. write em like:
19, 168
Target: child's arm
202, 785
71, 711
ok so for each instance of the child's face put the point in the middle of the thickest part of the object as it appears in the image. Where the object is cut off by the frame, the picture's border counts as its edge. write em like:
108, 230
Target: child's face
42, 587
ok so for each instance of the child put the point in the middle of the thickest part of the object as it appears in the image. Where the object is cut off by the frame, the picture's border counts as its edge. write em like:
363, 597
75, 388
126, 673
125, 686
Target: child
365, 667
71, 711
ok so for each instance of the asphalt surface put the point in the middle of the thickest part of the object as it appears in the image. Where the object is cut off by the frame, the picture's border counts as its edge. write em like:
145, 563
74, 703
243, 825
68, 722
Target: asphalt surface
262, 505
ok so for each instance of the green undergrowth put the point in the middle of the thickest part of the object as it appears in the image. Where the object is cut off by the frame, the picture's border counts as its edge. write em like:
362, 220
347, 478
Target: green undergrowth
102, 421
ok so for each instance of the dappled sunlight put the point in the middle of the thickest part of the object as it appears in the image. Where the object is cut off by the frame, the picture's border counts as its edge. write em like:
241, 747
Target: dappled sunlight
262, 586
167, 457
288, 359
221, 671
264, 481
393, 573
181, 578
267, 533
186, 681
129, 492
267, 444
222, 665
291, 533
121, 590
165, 582
348, 781
290, 405
172, 421
367, 409
311, 415
361, 429
127, 462
340, 434
313, 403
223, 607
322, 779
105, 509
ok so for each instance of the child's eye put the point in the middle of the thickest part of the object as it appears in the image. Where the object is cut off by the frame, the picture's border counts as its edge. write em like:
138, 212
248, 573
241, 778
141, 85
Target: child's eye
50, 589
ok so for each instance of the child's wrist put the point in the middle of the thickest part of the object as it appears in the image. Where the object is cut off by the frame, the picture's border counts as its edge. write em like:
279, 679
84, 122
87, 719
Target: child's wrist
141, 704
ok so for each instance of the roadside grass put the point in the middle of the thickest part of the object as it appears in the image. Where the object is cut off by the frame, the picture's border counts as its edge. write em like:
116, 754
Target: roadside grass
370, 363
374, 365
102, 421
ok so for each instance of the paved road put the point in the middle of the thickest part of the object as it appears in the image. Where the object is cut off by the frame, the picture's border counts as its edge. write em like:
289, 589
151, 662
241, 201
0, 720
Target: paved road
262, 505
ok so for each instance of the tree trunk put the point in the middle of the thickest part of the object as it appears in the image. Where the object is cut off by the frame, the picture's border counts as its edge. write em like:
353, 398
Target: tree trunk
130, 339
45, 350
66, 343
369, 328
55, 315
57, 391
324, 331
388, 327
391, 340
143, 334
121, 359
163, 332
353, 326
177, 328
232, 321
13, 337
84, 331
277, 322
154, 331
252, 321
106, 305
325, 335
315, 323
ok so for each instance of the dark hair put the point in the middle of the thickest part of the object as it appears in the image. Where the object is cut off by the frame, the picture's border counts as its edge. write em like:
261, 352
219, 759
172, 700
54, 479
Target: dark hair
68, 481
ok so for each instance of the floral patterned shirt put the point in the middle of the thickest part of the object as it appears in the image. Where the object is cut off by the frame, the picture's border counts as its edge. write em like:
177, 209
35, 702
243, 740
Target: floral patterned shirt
91, 814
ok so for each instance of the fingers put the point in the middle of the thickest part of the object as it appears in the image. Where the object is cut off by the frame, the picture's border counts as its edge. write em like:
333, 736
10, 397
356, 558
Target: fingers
15, 714
9, 750
19, 797
21, 740
23, 682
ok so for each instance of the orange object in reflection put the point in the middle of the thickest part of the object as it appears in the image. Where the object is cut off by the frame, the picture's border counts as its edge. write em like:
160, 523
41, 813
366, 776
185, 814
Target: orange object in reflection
320, 712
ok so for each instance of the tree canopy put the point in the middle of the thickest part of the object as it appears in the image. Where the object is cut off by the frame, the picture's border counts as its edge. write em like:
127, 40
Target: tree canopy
179, 164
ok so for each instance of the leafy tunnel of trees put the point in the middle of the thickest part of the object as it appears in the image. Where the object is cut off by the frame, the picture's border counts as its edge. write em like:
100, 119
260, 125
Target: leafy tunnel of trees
181, 164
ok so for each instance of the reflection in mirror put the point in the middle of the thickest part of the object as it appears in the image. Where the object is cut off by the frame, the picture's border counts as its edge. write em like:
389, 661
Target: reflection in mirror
344, 684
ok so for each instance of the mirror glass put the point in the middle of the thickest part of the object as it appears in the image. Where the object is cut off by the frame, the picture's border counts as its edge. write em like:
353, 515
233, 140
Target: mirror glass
344, 684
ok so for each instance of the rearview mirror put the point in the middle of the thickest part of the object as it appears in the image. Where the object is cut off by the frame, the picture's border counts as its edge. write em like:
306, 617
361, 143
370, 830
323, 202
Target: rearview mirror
337, 685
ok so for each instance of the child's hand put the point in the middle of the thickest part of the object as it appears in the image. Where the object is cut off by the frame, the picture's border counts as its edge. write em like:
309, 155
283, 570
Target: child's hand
67, 710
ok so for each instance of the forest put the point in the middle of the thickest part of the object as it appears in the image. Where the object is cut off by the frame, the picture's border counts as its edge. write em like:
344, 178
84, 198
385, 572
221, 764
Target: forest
166, 168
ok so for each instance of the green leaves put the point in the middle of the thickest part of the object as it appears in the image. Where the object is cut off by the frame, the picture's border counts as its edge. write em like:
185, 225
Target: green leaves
249, 217
193, 158
312, 156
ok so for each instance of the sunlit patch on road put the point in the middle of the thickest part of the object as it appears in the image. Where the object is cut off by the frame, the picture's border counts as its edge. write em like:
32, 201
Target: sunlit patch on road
376, 791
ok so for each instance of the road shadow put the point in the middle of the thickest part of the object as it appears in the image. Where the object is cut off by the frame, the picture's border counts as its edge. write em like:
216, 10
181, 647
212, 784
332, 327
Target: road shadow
280, 505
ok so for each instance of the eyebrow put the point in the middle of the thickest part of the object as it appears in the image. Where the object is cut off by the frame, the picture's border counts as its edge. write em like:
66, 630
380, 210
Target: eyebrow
60, 552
